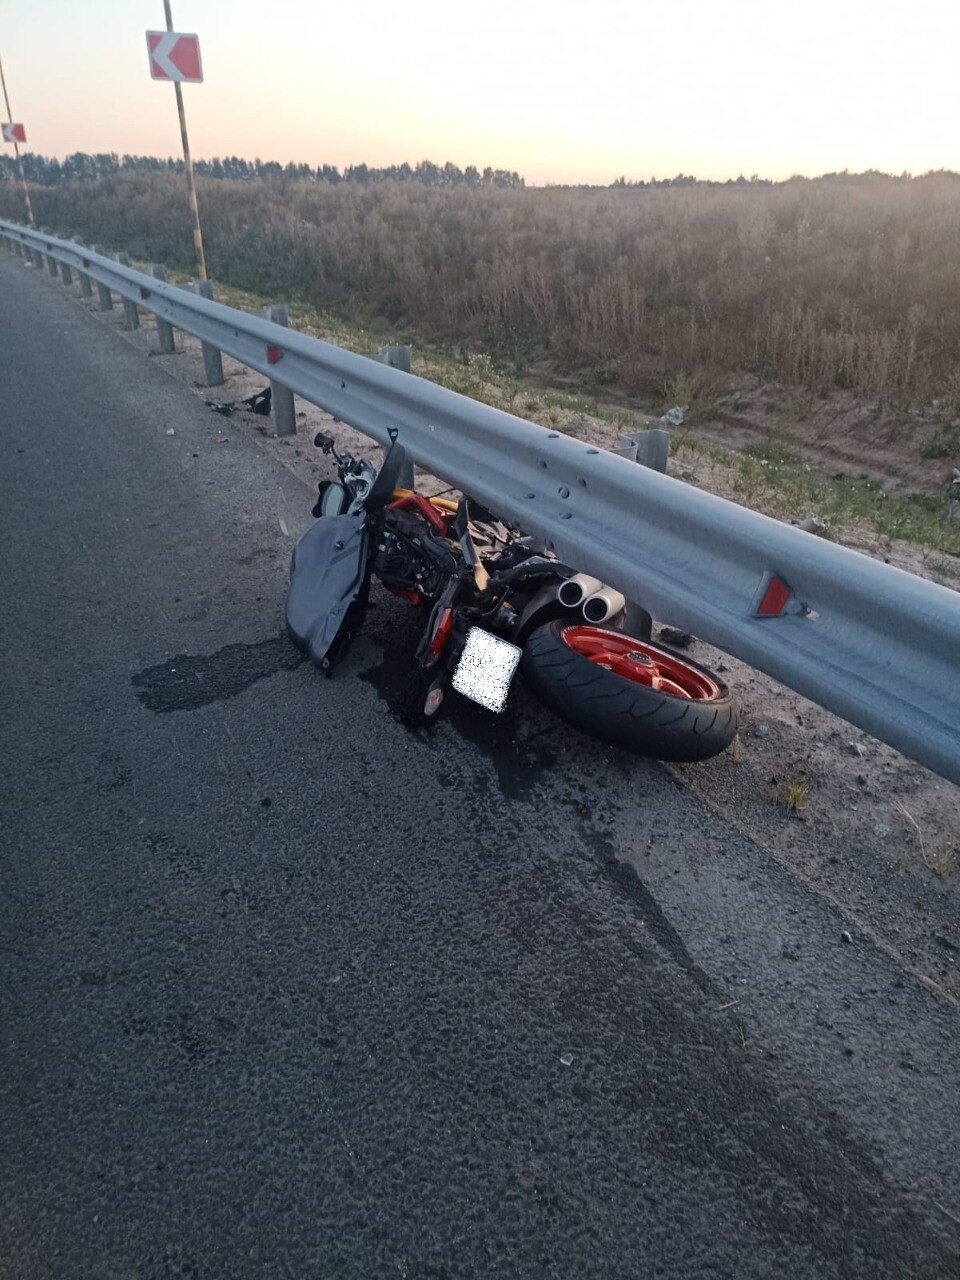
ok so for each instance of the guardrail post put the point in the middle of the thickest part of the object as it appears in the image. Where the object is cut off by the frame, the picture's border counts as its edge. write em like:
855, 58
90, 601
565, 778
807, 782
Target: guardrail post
212, 359
130, 311
164, 330
399, 358
66, 274
52, 265
649, 448
103, 293
281, 400
86, 289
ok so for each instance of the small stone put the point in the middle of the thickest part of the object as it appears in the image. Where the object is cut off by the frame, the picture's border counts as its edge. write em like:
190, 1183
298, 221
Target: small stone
170, 431
814, 524
761, 730
858, 749
566, 1059
679, 639
881, 830
846, 936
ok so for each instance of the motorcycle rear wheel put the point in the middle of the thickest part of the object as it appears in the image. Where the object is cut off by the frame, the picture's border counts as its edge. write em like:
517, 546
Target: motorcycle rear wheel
634, 694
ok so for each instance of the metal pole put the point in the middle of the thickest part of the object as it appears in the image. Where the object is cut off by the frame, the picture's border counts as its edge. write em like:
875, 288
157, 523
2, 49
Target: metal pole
281, 399
16, 148
212, 358
399, 358
187, 164
164, 330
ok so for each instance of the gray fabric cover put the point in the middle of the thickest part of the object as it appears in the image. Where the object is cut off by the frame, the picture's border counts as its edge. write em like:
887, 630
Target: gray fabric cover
326, 573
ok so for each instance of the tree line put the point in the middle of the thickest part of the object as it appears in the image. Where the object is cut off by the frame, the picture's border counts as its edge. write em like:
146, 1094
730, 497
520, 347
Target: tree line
47, 171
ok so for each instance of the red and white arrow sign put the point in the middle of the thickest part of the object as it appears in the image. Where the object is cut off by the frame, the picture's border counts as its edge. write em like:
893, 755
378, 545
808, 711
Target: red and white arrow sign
174, 56
14, 133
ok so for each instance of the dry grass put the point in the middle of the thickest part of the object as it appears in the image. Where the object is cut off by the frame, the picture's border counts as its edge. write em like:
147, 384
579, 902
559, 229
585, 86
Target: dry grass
939, 860
837, 282
792, 794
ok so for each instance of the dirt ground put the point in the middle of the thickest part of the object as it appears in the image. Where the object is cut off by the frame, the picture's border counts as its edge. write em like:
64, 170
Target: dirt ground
838, 432
862, 825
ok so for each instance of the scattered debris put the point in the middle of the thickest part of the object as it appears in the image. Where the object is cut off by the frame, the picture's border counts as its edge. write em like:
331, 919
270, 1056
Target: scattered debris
220, 439
170, 431
943, 1209
679, 639
814, 524
956, 475
858, 749
258, 403
566, 1059
673, 417
846, 936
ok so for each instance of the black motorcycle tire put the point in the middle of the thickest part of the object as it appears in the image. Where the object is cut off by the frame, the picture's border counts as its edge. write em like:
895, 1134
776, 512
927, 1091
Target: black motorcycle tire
626, 714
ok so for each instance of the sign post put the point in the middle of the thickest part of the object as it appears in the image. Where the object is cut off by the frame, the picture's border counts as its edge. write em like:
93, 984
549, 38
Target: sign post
176, 56
16, 134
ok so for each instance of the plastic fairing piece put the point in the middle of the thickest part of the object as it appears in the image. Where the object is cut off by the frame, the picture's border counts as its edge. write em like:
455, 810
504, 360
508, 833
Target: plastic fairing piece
382, 492
328, 575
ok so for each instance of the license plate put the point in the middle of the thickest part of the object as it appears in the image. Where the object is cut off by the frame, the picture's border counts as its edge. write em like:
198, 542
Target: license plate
486, 668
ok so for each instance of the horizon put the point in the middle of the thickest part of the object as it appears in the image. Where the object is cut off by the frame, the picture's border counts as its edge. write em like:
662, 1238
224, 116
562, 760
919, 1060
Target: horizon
630, 91
172, 160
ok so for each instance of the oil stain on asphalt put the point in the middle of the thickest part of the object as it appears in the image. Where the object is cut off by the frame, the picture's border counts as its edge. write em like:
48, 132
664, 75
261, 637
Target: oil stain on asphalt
520, 758
188, 681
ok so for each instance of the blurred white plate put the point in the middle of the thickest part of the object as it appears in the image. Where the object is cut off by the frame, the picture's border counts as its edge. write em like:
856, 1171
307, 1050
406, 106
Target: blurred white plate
486, 668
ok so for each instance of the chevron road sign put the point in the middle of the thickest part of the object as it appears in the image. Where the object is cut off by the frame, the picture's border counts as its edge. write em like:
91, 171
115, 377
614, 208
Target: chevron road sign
13, 132
174, 55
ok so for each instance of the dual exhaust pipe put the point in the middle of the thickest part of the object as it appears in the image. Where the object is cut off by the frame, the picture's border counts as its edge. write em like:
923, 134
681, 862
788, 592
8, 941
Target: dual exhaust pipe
597, 602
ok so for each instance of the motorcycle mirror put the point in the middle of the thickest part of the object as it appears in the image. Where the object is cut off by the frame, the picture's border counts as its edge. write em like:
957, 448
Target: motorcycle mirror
323, 442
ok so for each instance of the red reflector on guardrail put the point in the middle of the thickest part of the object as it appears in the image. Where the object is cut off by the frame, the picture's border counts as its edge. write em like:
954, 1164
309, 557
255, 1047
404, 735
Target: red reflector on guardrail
273, 355
774, 599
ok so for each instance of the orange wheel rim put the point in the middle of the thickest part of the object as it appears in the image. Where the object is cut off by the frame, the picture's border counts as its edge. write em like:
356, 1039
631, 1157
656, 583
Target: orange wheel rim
641, 663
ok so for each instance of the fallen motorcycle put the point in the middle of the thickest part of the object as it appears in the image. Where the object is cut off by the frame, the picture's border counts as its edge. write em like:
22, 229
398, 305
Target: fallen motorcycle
495, 600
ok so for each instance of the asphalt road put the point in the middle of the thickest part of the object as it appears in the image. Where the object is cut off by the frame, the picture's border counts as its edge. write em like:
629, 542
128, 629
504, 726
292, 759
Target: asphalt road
288, 991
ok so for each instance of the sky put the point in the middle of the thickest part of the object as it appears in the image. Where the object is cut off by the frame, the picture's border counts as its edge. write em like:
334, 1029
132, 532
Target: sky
559, 91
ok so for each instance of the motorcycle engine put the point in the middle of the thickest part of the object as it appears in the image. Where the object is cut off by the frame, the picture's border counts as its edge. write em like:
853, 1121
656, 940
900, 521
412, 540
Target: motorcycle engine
412, 556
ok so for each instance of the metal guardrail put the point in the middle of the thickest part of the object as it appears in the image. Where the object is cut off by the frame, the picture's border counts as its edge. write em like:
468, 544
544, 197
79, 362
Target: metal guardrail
878, 646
